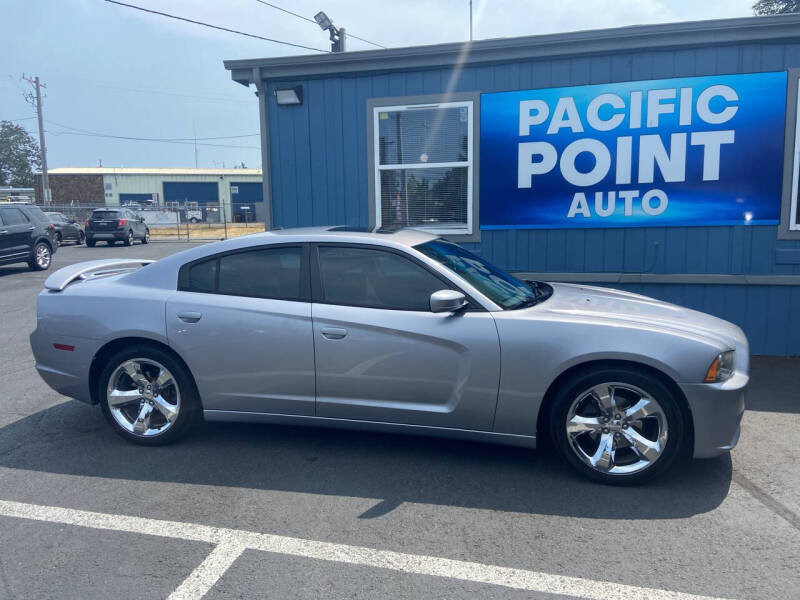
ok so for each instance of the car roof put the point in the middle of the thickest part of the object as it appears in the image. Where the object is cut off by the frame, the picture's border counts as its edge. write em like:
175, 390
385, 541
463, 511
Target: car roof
403, 236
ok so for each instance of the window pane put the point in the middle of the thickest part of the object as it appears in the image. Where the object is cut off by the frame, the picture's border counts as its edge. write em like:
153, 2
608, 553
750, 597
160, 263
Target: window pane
424, 135
433, 197
203, 276
267, 273
13, 216
374, 278
36, 213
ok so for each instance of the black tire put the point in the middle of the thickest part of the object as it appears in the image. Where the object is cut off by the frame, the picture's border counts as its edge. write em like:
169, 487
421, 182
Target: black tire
146, 237
59, 239
190, 407
568, 394
129, 238
41, 249
81, 239
90, 243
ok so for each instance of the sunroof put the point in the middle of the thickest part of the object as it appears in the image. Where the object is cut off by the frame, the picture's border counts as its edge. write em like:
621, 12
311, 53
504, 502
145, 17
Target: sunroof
357, 229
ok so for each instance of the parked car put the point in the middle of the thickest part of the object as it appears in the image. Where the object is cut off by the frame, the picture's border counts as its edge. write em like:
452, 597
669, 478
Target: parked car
112, 225
26, 235
67, 229
395, 332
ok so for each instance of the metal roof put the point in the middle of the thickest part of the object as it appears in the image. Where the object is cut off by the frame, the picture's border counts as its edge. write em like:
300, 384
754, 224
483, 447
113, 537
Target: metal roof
637, 37
148, 171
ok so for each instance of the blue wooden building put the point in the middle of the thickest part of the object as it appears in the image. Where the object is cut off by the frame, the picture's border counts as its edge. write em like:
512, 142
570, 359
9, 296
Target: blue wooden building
518, 148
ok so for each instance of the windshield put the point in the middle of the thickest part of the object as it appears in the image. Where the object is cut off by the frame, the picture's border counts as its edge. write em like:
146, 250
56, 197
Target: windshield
503, 289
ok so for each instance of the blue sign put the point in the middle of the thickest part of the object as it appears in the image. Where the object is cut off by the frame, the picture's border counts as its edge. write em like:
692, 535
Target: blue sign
668, 152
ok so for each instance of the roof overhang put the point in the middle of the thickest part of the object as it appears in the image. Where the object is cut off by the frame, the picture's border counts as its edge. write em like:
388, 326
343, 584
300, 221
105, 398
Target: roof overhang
621, 39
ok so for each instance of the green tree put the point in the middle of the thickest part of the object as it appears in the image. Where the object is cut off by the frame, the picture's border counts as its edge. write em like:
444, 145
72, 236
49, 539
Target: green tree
19, 155
776, 7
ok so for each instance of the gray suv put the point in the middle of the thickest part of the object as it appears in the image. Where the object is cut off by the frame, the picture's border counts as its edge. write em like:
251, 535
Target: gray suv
113, 225
26, 235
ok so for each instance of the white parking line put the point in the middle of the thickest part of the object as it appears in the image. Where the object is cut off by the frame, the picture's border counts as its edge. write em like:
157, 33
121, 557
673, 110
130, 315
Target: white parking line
230, 543
208, 572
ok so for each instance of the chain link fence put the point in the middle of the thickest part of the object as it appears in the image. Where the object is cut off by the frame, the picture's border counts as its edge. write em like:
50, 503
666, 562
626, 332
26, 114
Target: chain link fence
175, 222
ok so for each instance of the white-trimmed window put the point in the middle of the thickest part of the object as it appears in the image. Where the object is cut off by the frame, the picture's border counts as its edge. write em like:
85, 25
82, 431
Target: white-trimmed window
424, 166
794, 215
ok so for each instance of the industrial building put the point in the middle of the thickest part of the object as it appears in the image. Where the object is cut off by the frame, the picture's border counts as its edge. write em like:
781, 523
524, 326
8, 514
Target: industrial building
658, 159
238, 192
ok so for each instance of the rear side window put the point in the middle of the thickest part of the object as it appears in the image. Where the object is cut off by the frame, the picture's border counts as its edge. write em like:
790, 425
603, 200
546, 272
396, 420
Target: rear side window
375, 279
13, 216
274, 273
37, 213
203, 276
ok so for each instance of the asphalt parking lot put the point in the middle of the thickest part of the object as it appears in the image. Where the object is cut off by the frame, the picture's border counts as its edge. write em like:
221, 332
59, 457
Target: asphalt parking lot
285, 512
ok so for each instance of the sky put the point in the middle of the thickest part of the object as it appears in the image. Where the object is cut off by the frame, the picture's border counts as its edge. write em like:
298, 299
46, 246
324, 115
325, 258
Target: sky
117, 71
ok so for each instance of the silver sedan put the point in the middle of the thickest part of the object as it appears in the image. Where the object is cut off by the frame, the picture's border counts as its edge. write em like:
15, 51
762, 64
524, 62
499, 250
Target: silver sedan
399, 332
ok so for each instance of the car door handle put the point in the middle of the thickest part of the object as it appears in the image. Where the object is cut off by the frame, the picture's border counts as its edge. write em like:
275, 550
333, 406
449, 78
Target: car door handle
189, 317
333, 333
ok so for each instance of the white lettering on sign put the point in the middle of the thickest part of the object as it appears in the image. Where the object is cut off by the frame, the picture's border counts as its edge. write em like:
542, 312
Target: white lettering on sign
658, 157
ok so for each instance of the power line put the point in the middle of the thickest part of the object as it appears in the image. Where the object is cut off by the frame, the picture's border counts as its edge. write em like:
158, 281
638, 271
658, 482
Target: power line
188, 141
221, 137
294, 14
252, 35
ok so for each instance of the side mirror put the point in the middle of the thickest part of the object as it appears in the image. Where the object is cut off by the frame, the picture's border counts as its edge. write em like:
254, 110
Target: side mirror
448, 301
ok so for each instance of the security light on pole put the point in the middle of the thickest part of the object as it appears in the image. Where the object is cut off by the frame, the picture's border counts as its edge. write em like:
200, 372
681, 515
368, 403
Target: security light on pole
337, 36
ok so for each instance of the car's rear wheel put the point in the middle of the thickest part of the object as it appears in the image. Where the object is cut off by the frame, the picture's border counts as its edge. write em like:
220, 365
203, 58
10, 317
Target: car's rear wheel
90, 243
129, 239
147, 395
146, 238
42, 257
618, 426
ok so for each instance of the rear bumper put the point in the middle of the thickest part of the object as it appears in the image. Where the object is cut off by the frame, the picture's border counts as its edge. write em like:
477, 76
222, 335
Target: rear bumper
67, 372
105, 235
717, 410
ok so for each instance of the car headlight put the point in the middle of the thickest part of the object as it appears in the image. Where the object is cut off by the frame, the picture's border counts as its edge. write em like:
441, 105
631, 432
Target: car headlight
722, 368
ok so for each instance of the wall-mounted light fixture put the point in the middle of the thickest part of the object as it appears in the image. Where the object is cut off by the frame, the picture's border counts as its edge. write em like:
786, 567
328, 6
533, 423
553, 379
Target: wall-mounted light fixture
289, 96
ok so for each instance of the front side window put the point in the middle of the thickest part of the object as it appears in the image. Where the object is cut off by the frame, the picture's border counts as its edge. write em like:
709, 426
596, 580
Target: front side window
423, 166
13, 216
375, 279
501, 288
273, 273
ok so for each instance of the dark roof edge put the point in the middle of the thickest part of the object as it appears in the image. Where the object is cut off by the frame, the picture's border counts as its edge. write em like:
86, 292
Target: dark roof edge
669, 35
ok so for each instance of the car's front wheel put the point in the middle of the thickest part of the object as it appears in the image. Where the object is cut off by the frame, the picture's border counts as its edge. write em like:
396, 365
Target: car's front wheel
618, 426
147, 395
81, 238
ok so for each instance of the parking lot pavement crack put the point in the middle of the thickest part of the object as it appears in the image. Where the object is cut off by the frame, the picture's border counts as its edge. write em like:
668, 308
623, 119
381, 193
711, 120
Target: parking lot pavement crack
767, 500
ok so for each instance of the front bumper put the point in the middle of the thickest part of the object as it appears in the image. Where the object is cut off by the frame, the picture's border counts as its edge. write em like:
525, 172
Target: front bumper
717, 410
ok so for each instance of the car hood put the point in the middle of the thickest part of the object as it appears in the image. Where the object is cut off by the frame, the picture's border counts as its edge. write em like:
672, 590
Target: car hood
625, 308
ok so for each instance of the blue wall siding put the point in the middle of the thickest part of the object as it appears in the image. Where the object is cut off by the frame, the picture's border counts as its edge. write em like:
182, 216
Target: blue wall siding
319, 170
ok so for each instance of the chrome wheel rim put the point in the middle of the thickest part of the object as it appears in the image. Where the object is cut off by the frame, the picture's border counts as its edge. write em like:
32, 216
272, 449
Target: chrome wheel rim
43, 256
617, 428
143, 397
147, 236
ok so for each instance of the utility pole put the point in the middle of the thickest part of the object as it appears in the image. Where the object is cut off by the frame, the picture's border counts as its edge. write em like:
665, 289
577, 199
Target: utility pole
470, 20
42, 148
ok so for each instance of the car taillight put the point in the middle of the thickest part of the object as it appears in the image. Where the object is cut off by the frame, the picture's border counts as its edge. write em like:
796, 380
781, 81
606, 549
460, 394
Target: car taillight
121, 223
86, 223
52, 226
